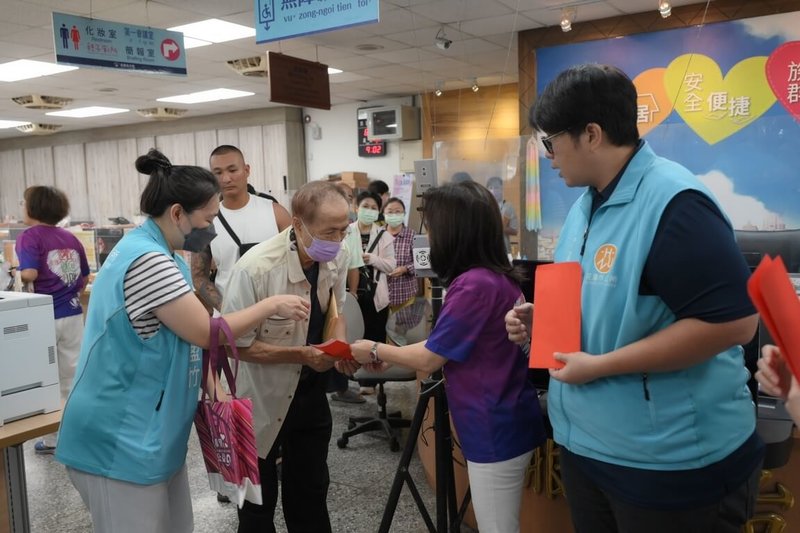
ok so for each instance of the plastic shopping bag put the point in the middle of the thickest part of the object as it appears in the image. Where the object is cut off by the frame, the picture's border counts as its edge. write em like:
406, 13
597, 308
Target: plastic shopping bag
225, 428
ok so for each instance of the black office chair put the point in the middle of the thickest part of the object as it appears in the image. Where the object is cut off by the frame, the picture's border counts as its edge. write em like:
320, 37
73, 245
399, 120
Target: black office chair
389, 423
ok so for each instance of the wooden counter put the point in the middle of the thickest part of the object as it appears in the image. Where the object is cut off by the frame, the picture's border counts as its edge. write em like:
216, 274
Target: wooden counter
14, 434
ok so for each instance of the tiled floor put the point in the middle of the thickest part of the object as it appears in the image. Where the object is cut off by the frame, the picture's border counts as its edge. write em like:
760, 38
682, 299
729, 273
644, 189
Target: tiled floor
361, 476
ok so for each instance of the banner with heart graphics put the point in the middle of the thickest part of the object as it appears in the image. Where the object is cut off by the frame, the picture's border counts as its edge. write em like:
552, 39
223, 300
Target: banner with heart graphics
716, 106
721, 99
783, 74
653, 103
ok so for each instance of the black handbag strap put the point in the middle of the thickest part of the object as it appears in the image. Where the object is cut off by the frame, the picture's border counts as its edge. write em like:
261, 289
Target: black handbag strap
375, 242
369, 251
228, 228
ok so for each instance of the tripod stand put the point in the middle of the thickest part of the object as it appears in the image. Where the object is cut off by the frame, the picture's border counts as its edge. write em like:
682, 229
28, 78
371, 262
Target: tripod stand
448, 514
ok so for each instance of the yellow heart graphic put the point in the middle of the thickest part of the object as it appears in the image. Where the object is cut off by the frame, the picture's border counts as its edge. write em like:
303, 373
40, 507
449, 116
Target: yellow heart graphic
713, 107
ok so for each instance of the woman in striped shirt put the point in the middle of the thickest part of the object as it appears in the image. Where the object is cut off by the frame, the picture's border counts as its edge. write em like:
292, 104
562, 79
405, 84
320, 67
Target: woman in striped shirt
125, 428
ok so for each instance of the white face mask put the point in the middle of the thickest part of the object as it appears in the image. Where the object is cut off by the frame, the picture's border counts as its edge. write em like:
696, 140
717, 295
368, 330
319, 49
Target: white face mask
367, 216
394, 219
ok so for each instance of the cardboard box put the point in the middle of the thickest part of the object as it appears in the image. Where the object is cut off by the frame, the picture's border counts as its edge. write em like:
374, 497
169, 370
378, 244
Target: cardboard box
357, 180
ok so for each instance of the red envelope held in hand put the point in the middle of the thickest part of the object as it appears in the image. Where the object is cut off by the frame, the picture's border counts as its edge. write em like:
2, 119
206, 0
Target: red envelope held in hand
775, 298
335, 348
557, 313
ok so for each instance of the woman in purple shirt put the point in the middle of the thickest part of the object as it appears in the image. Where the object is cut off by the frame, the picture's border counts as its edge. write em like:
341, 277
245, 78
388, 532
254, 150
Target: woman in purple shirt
494, 407
54, 261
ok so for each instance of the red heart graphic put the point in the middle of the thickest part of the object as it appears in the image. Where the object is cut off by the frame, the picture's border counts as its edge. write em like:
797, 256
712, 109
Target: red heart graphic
783, 74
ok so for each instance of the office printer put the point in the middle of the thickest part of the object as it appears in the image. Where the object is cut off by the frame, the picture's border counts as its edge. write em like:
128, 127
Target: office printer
28, 364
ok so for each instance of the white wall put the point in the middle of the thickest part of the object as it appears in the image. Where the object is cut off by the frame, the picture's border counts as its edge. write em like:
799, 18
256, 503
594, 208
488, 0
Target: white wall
337, 150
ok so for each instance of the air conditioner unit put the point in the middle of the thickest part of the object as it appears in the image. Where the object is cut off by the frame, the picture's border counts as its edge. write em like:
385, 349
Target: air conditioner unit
255, 66
39, 129
38, 101
162, 113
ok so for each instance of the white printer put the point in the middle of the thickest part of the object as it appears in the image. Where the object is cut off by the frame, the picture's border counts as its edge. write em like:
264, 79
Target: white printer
28, 364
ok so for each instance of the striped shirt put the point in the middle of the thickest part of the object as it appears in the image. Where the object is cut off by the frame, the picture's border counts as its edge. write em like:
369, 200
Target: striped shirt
151, 281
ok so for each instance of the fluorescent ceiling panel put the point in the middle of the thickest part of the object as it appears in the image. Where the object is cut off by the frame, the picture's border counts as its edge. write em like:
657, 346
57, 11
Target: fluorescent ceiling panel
91, 111
6, 124
205, 96
214, 30
24, 69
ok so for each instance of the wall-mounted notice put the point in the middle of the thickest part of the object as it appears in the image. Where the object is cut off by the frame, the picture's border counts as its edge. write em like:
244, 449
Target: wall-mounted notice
88, 42
284, 19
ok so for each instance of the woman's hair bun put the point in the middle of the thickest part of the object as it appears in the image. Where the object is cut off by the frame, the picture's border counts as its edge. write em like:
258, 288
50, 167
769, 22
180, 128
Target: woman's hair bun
152, 162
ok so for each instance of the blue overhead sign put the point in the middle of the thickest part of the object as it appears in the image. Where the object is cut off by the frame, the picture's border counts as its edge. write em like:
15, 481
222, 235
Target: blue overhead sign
97, 43
284, 19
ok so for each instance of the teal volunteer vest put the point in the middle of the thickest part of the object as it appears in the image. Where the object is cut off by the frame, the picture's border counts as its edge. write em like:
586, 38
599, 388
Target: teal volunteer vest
133, 401
661, 421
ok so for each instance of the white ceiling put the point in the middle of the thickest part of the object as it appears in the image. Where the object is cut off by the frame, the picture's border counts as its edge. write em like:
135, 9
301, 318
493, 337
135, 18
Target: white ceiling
483, 34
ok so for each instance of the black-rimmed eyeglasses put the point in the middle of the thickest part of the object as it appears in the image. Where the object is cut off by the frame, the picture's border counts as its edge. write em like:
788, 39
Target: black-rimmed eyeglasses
548, 141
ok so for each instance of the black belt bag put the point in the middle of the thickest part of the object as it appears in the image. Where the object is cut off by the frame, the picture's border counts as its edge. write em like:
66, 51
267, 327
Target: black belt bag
242, 247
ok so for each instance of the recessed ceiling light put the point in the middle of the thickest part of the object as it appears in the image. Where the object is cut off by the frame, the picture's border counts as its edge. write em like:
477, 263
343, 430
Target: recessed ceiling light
24, 69
91, 111
189, 42
6, 124
332, 70
205, 96
213, 31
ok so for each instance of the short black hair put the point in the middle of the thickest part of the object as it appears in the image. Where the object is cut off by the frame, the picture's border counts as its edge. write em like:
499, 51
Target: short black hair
378, 187
588, 93
190, 186
369, 194
396, 200
225, 149
460, 177
465, 231
46, 204
494, 180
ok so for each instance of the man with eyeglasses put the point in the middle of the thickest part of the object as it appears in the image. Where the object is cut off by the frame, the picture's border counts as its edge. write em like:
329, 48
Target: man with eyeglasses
281, 372
655, 421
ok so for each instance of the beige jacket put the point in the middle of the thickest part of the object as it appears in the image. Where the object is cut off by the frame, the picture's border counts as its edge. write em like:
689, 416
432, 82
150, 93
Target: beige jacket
271, 268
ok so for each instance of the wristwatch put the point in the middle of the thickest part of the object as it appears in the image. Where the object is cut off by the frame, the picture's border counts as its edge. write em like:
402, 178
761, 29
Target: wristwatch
373, 353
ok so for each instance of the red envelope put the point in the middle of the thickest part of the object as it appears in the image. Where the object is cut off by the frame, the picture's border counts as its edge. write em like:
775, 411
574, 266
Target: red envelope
557, 313
335, 348
774, 296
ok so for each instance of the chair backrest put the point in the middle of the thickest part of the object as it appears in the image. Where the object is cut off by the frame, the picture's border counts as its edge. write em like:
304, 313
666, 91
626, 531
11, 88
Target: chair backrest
353, 318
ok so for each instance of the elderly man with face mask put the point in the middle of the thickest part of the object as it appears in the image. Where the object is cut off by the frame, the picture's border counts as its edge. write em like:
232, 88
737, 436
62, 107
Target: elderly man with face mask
281, 371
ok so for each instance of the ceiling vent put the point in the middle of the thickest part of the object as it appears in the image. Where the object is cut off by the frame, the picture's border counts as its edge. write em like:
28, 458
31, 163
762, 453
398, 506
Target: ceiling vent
162, 113
37, 101
255, 66
39, 129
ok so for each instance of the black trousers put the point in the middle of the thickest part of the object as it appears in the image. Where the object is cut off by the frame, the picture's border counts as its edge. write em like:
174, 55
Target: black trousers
374, 321
303, 444
596, 511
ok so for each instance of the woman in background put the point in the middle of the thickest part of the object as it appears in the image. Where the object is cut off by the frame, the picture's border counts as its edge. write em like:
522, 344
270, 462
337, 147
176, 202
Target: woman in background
125, 429
378, 254
54, 261
402, 280
494, 407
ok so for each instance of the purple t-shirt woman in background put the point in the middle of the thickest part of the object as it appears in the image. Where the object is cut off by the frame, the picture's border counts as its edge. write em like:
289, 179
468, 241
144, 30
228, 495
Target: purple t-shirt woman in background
60, 262
54, 260
495, 409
